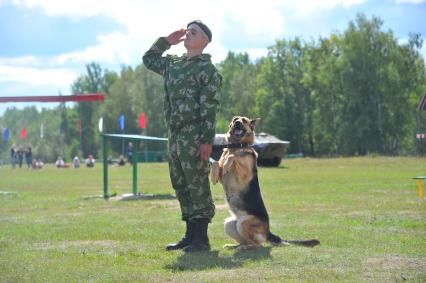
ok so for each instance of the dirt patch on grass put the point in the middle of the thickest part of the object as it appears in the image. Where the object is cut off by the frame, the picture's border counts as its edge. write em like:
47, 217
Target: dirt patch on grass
9, 219
397, 262
64, 245
396, 267
166, 204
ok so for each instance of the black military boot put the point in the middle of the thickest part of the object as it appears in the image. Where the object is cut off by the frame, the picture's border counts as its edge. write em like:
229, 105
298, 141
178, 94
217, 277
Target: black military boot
200, 241
186, 240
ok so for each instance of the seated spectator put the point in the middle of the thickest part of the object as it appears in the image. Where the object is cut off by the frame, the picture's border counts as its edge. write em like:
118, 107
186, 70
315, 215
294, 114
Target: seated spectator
39, 164
60, 162
110, 161
121, 161
76, 162
90, 161
34, 164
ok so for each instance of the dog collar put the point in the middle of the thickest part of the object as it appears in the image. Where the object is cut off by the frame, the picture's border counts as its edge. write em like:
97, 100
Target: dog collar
234, 145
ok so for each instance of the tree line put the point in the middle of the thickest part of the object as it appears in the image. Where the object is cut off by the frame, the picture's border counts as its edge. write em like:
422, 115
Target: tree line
352, 93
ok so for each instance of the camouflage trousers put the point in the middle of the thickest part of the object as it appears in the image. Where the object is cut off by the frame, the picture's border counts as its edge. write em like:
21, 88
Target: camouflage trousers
190, 175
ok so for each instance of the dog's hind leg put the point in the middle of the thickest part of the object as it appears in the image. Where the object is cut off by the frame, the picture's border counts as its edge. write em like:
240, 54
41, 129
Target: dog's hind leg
252, 230
231, 230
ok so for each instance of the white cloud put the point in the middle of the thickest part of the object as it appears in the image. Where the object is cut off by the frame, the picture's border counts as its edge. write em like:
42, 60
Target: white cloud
145, 20
409, 1
305, 8
36, 77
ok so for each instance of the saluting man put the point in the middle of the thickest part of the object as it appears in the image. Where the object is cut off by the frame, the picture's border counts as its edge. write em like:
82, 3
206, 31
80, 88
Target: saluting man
191, 101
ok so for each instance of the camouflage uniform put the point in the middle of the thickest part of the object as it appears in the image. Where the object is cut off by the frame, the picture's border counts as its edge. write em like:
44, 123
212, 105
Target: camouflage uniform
191, 101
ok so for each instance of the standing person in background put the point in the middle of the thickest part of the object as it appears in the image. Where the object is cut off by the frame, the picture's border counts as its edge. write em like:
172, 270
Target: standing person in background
191, 101
13, 155
130, 153
29, 156
20, 156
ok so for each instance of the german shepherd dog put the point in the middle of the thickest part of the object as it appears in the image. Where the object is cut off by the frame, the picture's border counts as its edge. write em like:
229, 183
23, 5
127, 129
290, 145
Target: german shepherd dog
237, 171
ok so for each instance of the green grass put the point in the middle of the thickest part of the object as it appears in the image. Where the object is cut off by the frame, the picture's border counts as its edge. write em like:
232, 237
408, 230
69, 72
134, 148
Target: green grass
365, 211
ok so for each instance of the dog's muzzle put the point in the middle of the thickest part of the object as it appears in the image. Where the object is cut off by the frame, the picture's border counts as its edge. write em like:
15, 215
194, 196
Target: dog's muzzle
238, 130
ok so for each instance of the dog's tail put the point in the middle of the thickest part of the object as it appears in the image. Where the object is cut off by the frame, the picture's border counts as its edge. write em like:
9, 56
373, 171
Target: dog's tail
276, 240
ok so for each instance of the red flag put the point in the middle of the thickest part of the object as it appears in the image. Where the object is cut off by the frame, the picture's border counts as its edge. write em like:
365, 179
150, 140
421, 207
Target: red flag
80, 126
142, 120
24, 133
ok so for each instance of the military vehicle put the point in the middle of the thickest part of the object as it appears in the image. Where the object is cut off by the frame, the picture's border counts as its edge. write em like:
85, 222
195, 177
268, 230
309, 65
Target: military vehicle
270, 149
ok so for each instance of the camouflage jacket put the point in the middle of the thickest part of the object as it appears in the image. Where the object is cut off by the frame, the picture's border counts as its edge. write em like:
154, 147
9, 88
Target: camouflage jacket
192, 87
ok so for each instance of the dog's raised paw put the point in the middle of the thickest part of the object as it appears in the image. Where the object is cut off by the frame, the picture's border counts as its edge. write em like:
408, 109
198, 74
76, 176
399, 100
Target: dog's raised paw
231, 246
214, 172
246, 247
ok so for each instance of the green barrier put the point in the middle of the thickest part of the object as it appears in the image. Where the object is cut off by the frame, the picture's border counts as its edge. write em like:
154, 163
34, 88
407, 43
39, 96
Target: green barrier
152, 156
143, 156
294, 155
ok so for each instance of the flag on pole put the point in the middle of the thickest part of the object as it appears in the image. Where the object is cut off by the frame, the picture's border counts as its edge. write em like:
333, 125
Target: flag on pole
422, 104
24, 133
41, 131
142, 120
6, 134
101, 124
121, 121
80, 126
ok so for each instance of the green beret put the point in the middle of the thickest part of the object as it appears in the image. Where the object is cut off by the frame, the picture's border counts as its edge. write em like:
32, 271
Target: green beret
203, 27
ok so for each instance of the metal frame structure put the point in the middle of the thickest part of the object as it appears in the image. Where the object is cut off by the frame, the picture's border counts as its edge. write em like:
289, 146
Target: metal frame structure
57, 98
136, 139
420, 179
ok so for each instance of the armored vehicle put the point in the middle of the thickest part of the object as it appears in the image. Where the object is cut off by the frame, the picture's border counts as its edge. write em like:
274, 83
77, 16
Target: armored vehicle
269, 148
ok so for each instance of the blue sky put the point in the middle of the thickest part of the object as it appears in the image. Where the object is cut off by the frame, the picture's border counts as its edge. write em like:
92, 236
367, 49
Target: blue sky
45, 44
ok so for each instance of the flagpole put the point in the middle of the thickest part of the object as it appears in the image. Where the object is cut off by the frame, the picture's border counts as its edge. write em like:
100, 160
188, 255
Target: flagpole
80, 128
122, 143
81, 146
142, 125
121, 122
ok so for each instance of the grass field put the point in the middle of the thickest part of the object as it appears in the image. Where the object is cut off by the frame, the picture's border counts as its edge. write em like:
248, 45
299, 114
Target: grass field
365, 211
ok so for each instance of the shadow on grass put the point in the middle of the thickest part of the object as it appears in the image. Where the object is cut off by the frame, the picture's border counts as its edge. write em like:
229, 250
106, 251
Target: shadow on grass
150, 196
131, 197
212, 259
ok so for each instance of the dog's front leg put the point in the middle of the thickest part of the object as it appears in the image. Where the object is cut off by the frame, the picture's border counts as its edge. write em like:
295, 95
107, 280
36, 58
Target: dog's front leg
227, 164
215, 172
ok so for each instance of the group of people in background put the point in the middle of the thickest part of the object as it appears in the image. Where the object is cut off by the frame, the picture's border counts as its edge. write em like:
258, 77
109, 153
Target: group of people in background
90, 162
121, 161
18, 153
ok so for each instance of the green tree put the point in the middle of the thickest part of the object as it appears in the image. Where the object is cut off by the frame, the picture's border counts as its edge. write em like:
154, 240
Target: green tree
282, 101
238, 95
93, 82
380, 76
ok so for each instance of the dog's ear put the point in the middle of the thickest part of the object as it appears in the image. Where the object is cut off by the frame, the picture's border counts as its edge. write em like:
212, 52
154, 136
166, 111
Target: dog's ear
253, 122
